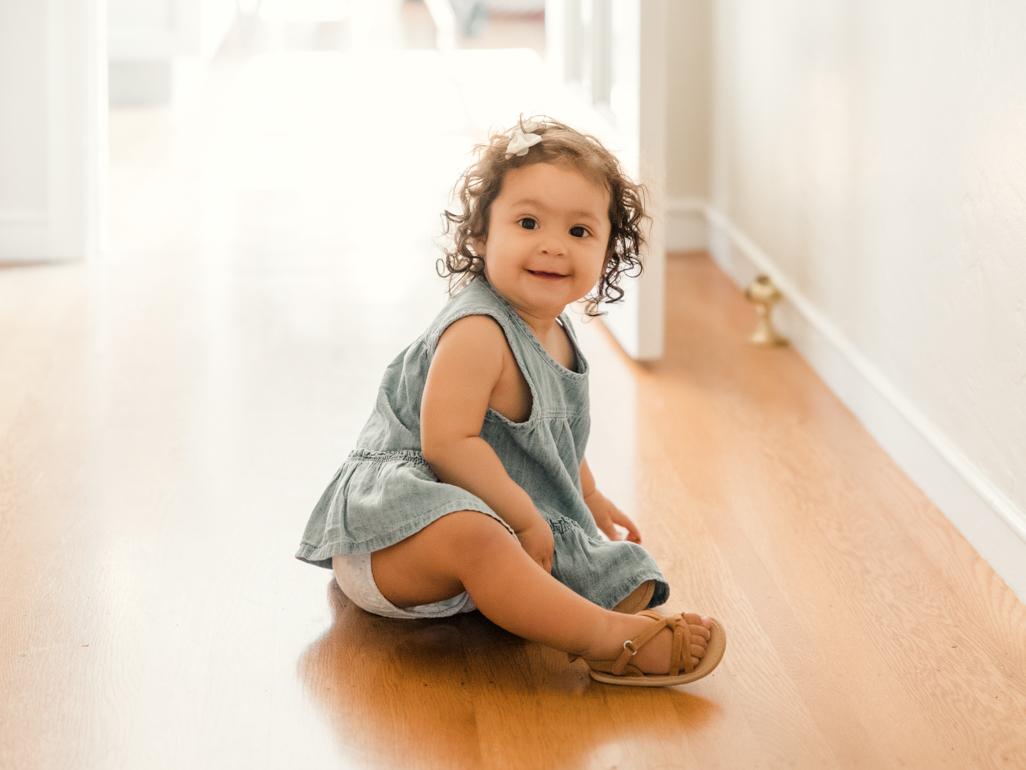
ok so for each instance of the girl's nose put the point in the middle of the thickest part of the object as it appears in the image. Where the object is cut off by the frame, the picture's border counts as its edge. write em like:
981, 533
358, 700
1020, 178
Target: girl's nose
554, 245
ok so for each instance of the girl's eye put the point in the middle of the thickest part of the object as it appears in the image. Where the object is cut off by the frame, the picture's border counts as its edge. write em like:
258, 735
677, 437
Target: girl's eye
528, 224
578, 231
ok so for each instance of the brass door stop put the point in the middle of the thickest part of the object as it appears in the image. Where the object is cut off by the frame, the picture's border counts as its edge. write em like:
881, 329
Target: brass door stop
764, 295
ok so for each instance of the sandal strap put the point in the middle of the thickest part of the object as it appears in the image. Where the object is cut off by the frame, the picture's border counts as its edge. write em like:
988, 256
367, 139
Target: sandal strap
631, 646
680, 651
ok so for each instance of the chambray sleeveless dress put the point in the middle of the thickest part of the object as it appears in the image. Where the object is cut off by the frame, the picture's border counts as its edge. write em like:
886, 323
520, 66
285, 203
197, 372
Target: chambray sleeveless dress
384, 492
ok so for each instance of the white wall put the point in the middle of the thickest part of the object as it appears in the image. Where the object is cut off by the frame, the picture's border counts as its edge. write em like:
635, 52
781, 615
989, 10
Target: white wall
871, 155
689, 102
689, 123
52, 129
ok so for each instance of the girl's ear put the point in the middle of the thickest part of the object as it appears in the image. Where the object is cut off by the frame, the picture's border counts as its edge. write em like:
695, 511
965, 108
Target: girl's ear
479, 246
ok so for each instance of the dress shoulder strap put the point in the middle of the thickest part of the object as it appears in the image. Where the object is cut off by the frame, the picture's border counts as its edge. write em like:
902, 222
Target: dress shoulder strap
477, 298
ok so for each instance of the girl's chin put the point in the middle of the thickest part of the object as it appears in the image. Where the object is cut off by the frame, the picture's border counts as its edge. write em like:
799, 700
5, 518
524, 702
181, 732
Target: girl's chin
542, 302
538, 293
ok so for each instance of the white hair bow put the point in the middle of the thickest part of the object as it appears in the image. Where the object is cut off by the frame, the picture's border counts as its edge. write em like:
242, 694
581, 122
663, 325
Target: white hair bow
521, 139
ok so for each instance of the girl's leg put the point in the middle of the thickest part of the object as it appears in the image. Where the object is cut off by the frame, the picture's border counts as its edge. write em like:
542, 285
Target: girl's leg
470, 551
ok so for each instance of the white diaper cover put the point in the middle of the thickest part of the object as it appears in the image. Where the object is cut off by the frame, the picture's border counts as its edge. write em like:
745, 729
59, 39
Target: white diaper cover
354, 576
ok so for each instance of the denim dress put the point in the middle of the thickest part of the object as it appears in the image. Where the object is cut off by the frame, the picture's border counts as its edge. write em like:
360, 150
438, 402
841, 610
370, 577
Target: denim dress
384, 492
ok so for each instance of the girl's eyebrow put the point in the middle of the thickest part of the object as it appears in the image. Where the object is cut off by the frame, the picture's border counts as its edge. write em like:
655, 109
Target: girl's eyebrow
574, 214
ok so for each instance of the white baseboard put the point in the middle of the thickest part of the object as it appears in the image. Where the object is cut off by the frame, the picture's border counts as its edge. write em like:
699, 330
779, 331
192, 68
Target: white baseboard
24, 235
991, 522
687, 226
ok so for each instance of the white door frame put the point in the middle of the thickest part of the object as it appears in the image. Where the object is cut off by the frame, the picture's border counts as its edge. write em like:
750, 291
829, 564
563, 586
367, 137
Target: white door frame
613, 55
72, 70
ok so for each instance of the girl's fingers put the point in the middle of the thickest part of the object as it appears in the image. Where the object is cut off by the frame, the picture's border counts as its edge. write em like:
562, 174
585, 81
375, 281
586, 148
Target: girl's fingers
633, 533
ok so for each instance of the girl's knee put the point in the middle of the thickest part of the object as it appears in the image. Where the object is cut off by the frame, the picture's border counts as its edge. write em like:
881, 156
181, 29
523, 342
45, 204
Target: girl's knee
443, 549
472, 534
476, 525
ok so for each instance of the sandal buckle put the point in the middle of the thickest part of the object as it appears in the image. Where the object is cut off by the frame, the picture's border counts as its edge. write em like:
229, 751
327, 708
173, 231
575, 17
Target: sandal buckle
629, 645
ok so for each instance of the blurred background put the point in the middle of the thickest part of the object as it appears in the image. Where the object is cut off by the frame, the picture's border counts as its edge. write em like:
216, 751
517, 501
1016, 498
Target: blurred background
273, 98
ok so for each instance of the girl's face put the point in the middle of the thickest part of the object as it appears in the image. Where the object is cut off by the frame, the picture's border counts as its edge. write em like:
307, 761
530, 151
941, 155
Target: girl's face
547, 236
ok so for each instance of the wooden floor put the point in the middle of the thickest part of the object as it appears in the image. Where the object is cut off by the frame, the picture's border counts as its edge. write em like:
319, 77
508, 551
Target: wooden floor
169, 416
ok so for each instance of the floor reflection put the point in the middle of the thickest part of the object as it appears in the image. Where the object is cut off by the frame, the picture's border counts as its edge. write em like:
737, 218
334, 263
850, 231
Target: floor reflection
462, 692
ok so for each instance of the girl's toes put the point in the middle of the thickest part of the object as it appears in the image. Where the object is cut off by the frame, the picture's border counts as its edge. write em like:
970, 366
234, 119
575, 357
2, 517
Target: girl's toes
701, 632
695, 619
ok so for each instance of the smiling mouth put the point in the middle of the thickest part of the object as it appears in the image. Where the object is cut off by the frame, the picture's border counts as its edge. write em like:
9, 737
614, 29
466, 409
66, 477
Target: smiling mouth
543, 274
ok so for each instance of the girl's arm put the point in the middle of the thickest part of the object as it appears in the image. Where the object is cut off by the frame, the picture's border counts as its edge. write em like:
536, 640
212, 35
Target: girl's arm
466, 368
607, 516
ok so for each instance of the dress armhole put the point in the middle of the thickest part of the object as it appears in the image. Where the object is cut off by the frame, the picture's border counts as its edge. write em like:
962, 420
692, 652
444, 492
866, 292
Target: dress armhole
432, 344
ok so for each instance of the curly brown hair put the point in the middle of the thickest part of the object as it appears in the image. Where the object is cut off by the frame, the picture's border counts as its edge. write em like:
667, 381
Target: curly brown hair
481, 184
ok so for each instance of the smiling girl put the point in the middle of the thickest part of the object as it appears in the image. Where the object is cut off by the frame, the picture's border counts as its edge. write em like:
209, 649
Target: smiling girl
468, 488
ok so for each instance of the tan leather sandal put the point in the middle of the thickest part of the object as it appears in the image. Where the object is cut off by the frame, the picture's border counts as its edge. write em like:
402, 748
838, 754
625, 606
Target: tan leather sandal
637, 600
622, 671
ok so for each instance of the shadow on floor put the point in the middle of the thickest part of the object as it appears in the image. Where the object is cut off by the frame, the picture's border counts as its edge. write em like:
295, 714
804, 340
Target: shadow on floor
461, 692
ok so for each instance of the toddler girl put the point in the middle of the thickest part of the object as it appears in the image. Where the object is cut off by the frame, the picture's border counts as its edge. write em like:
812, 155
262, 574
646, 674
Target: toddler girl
468, 488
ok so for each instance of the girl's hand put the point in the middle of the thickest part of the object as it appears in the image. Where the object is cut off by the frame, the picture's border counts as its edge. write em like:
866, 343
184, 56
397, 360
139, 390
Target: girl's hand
536, 538
609, 518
